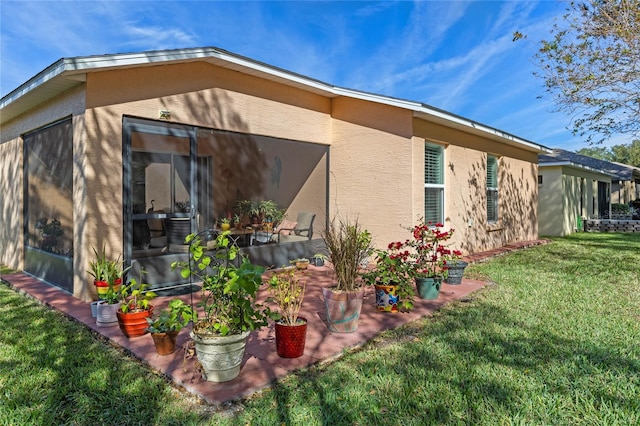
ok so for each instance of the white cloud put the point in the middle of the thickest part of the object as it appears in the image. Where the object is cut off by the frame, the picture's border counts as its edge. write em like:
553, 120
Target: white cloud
156, 37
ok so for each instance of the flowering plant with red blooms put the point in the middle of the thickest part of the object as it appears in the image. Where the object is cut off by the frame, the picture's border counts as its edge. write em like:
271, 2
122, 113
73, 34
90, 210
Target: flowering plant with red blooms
392, 268
428, 257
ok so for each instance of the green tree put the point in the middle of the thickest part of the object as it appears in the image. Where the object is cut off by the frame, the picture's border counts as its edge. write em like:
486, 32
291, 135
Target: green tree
626, 153
602, 153
591, 67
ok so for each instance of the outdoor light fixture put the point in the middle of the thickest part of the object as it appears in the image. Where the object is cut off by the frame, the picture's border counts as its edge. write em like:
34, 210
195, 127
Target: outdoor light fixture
164, 114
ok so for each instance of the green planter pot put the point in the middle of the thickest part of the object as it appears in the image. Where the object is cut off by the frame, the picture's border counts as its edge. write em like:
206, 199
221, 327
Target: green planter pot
428, 288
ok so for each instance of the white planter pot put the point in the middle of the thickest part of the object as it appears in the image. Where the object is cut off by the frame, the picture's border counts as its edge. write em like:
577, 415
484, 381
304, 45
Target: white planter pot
220, 356
106, 314
94, 308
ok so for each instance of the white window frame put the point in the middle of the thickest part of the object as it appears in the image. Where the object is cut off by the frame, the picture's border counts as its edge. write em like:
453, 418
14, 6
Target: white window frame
437, 188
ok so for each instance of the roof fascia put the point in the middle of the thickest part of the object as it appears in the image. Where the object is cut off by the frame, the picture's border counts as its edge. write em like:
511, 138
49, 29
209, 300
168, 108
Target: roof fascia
575, 166
78, 67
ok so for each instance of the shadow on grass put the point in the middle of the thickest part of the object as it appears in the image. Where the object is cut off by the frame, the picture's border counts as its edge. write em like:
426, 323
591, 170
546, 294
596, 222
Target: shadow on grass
470, 365
56, 372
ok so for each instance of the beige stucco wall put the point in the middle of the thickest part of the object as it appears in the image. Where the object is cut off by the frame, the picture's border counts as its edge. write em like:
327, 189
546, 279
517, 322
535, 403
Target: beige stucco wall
550, 201
11, 205
560, 202
372, 165
70, 103
465, 189
376, 157
195, 94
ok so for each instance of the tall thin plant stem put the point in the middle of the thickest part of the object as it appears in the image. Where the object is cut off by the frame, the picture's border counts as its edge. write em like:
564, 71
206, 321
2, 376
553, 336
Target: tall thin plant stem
348, 246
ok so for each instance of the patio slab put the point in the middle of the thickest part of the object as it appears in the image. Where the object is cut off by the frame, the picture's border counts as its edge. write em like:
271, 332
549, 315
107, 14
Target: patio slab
261, 365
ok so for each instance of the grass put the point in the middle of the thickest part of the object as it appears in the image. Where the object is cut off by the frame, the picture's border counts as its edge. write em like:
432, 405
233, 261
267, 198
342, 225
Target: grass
555, 340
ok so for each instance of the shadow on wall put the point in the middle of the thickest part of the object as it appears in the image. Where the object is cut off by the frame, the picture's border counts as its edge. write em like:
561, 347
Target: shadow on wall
517, 207
11, 206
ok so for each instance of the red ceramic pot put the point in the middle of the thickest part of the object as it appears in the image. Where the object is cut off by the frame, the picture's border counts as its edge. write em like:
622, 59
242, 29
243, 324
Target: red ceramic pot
290, 339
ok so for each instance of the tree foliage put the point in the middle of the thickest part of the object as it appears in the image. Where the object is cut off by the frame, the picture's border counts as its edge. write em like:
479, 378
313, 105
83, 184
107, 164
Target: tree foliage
626, 153
591, 67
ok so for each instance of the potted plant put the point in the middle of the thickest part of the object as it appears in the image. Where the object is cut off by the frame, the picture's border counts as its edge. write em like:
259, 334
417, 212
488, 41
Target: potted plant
230, 283
243, 209
107, 308
300, 263
287, 291
348, 246
270, 213
107, 273
392, 279
225, 224
455, 269
237, 221
428, 257
183, 206
51, 234
319, 259
135, 308
165, 325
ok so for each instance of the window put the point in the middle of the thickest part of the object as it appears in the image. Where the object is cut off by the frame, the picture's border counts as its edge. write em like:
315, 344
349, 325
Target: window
539, 179
492, 189
433, 183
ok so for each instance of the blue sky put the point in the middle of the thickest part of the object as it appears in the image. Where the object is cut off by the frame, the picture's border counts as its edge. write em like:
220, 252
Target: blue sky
455, 55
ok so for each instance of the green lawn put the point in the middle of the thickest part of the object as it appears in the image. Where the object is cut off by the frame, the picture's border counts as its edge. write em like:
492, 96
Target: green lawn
555, 340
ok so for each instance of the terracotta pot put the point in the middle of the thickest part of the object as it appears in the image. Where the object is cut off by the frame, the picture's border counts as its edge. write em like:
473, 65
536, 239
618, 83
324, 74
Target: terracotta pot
386, 298
302, 264
134, 324
290, 339
343, 309
165, 342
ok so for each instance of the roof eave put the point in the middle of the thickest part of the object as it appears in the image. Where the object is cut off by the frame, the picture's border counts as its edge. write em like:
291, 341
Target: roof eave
435, 115
574, 166
70, 72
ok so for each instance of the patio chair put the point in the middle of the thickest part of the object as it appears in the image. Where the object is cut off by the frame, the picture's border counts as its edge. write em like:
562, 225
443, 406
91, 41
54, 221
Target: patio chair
302, 231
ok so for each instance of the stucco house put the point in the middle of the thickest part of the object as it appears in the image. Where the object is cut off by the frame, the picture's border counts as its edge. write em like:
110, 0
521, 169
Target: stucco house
99, 145
574, 187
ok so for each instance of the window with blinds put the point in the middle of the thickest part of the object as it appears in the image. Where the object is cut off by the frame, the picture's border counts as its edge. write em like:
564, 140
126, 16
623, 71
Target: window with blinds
492, 189
433, 183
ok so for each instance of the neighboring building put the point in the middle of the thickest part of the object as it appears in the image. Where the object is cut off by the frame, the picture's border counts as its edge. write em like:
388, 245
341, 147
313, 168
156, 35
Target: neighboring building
625, 184
105, 144
573, 187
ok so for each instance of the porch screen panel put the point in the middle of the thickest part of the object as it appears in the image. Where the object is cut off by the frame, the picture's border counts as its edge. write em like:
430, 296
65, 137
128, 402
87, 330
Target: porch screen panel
433, 183
492, 189
48, 203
